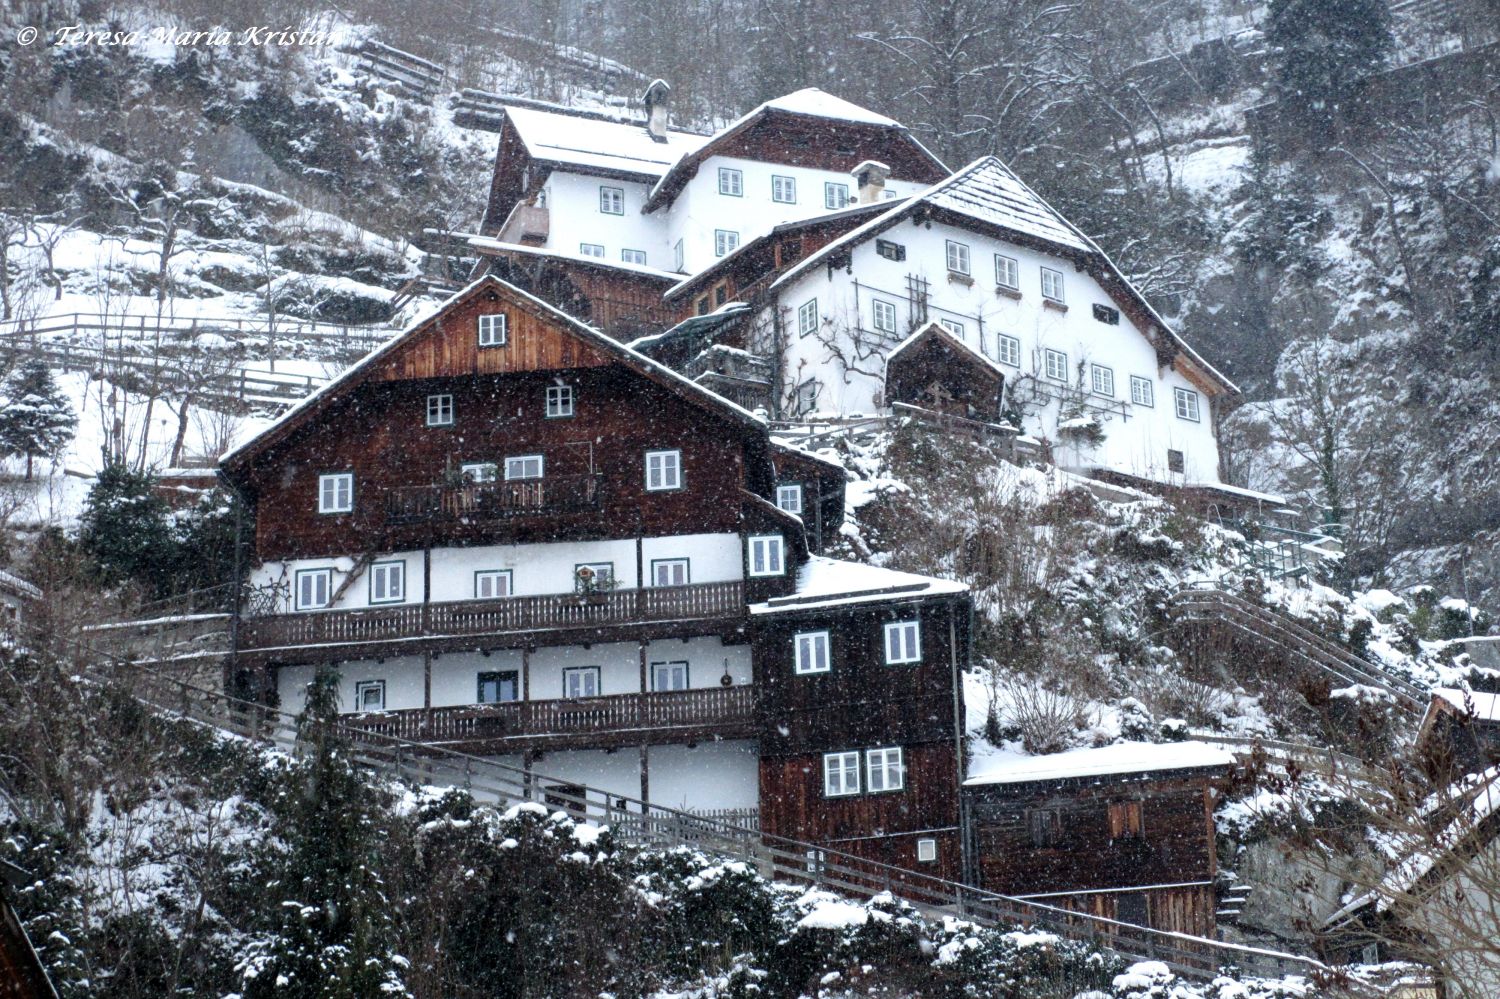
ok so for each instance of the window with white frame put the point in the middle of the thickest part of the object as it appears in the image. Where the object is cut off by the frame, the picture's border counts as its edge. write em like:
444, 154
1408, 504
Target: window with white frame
492, 330
926, 851
633, 257
784, 190
835, 195
663, 470
805, 399
369, 695
1008, 350
952, 326
812, 652
387, 582
670, 572
591, 249
840, 774
1103, 380
766, 555
884, 770
669, 676
580, 681
336, 492
491, 584
525, 466
1007, 272
1142, 393
789, 497
1055, 363
885, 317
440, 411
958, 257
731, 182
475, 472
678, 257
1187, 404
807, 317
1052, 285
612, 200
903, 642
559, 401
314, 588
725, 241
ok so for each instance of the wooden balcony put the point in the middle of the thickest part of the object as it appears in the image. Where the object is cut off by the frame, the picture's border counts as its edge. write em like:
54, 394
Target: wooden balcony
483, 501
621, 719
507, 615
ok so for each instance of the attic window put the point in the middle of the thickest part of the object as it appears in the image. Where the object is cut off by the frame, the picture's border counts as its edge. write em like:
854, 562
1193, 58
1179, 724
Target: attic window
492, 330
890, 250
1105, 314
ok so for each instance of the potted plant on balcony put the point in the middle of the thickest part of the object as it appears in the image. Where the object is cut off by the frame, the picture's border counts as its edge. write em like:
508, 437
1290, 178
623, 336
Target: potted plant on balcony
591, 586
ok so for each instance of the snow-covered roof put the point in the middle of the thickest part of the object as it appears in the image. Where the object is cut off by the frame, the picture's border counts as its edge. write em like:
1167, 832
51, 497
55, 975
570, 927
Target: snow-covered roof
489, 243
1272, 498
1121, 758
1486, 706
827, 582
591, 143
815, 102
19, 586
691, 325
935, 328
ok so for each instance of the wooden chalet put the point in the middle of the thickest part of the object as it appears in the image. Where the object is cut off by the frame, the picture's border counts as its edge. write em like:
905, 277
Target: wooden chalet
1125, 831
509, 533
935, 371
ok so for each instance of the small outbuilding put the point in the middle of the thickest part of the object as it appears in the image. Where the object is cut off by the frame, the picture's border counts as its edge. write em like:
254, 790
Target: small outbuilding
934, 369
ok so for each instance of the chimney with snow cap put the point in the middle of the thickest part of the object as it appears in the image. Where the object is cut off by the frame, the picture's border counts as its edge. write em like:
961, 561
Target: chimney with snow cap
869, 180
657, 98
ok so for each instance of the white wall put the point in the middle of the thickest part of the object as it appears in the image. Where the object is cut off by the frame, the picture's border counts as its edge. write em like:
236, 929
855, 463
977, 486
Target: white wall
402, 675
455, 675
707, 776
1137, 439
574, 218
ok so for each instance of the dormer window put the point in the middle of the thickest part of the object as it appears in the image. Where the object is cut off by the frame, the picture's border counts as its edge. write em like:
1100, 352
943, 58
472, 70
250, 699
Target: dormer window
612, 200
492, 330
731, 182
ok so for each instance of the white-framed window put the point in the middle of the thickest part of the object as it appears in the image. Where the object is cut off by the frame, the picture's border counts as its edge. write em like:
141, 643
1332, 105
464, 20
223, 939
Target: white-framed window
812, 652
663, 470
314, 589
1187, 404
958, 257
784, 190
766, 555
336, 492
387, 582
840, 774
952, 326
1055, 362
1008, 350
1052, 285
669, 676
498, 687
591, 250
1142, 393
731, 182
491, 584
805, 400
678, 256
525, 466
725, 241
1007, 272
633, 257
670, 572
835, 195
1103, 380
807, 317
580, 681
884, 769
903, 642
440, 411
369, 695
612, 200
559, 401
885, 317
926, 851
479, 471
789, 498
492, 330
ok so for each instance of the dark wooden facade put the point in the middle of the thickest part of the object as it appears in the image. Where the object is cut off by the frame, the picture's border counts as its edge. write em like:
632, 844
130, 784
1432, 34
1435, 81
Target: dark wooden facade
1454, 740
936, 372
621, 302
1134, 847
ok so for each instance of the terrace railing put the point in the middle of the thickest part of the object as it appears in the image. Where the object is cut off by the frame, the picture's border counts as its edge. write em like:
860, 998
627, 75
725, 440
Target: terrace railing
492, 500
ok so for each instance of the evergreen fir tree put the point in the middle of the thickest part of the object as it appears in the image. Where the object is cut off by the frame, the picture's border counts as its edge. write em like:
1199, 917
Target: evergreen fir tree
127, 529
36, 420
1321, 49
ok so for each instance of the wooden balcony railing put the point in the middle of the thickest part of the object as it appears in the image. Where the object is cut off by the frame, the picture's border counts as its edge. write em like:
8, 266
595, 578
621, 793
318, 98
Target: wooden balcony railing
492, 500
710, 710
493, 617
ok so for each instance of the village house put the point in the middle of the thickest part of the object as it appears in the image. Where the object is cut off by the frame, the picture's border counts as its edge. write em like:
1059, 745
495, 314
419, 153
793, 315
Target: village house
513, 535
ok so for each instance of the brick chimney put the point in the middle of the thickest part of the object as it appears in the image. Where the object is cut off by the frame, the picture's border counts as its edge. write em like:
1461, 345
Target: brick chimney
869, 181
657, 98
